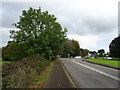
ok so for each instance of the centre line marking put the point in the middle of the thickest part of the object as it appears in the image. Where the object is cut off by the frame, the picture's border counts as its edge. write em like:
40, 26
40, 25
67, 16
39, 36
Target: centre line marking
101, 72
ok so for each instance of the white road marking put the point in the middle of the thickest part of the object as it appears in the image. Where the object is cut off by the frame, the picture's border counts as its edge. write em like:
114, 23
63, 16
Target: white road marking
69, 77
101, 72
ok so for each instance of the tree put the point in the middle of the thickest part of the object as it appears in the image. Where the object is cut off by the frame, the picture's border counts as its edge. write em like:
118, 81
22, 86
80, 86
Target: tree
71, 47
93, 53
40, 31
67, 48
76, 48
81, 52
101, 52
114, 47
85, 52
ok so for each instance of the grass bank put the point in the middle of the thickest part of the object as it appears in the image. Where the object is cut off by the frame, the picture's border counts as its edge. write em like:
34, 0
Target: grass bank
114, 63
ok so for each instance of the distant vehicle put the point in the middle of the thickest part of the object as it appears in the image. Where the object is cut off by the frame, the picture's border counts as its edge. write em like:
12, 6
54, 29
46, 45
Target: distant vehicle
92, 57
108, 58
77, 57
86, 57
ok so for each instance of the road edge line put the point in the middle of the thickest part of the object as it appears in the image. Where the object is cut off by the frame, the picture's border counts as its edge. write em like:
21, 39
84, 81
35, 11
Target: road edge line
99, 71
72, 82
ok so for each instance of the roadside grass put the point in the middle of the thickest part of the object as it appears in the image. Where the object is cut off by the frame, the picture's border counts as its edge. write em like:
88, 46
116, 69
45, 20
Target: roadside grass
116, 58
82, 58
43, 77
3, 62
107, 62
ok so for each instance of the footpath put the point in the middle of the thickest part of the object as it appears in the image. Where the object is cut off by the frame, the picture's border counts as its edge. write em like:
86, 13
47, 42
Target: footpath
58, 78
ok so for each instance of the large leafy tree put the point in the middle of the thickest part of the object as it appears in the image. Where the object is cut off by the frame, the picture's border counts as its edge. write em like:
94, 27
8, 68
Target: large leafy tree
40, 31
115, 47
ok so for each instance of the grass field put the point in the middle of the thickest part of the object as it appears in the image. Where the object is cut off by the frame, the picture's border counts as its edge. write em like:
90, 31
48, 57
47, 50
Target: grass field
107, 62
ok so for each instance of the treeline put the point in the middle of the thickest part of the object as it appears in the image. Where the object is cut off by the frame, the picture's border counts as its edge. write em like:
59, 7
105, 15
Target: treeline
71, 48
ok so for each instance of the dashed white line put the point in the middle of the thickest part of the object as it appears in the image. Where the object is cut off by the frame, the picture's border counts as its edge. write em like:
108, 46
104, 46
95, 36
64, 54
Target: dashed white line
101, 72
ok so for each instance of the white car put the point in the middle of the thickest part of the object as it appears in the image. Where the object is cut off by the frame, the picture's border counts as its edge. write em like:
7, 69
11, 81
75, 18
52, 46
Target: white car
77, 57
92, 57
108, 58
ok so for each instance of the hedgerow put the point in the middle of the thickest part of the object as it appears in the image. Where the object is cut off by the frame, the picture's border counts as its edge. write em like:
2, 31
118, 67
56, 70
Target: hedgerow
22, 73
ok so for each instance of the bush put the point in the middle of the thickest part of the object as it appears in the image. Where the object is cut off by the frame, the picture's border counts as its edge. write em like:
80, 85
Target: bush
21, 74
14, 51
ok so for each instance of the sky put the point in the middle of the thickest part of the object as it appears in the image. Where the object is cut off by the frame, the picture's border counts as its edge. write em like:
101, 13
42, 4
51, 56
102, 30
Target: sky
93, 23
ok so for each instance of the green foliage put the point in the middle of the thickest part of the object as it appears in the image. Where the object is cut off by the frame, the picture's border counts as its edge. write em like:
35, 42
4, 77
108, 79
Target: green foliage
23, 73
81, 52
101, 52
40, 32
84, 52
114, 47
14, 51
71, 47
93, 52
76, 48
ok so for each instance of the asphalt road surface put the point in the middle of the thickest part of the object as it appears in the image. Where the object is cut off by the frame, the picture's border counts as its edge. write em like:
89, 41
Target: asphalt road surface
87, 75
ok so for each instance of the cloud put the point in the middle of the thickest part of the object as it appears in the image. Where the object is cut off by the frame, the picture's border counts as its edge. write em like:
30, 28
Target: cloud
88, 42
5, 36
10, 13
83, 18
95, 42
88, 21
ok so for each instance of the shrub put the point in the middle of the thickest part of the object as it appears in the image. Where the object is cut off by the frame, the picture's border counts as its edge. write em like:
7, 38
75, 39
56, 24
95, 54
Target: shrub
14, 51
21, 74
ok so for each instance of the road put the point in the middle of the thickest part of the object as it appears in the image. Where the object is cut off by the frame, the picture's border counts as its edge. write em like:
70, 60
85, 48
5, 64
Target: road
87, 75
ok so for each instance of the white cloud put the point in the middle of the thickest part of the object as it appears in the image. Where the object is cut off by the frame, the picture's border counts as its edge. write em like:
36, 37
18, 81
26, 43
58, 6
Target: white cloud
5, 36
87, 21
86, 42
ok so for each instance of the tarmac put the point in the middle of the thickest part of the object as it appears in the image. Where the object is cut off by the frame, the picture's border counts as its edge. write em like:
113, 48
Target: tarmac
58, 78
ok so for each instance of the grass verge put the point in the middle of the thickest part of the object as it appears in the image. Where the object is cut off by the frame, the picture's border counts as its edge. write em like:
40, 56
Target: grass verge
3, 62
106, 62
43, 77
